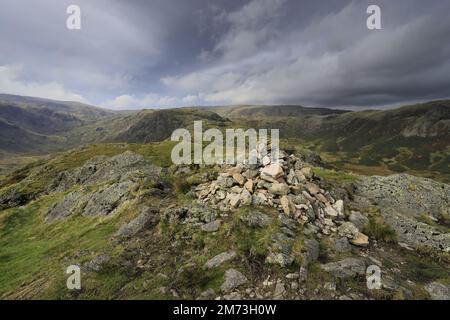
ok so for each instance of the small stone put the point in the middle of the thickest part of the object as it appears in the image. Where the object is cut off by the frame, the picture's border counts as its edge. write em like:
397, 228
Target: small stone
280, 290
279, 188
238, 178
361, 240
307, 172
331, 212
220, 259
265, 160
233, 280
212, 226
339, 207
249, 185
285, 205
330, 286
312, 188
438, 291
358, 219
273, 171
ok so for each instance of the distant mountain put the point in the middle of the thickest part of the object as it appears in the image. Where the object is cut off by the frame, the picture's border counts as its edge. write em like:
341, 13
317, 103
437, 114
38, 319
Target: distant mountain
255, 111
409, 138
33, 124
412, 138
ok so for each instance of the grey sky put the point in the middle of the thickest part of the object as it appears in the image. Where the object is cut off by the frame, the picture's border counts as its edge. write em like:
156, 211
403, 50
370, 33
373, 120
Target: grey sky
163, 53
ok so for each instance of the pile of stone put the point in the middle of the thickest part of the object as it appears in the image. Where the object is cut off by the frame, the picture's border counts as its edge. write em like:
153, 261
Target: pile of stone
286, 183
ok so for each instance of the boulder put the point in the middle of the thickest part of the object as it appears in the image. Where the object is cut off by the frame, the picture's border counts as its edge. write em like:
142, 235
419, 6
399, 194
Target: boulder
220, 259
360, 240
307, 172
348, 230
438, 291
212, 226
273, 171
280, 189
147, 218
358, 219
312, 188
349, 267
233, 280
255, 218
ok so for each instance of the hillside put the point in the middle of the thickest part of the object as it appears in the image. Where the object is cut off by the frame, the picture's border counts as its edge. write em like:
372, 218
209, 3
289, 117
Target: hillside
34, 125
411, 139
141, 228
258, 112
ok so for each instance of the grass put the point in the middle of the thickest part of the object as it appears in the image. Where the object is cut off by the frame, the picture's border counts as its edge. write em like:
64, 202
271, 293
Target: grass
380, 230
34, 250
340, 176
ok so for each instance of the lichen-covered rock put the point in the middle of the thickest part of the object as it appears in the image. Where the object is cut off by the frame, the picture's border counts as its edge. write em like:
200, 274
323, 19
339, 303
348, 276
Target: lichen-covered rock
220, 259
346, 268
438, 291
233, 280
406, 194
105, 201
69, 204
102, 169
255, 218
147, 218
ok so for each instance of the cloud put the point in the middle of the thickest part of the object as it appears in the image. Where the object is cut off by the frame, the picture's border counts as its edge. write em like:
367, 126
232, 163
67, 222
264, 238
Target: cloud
333, 61
148, 101
139, 54
10, 83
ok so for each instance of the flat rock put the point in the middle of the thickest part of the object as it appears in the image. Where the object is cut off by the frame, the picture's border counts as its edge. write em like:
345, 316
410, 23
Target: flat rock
346, 268
360, 240
220, 259
233, 280
212, 226
438, 291
147, 218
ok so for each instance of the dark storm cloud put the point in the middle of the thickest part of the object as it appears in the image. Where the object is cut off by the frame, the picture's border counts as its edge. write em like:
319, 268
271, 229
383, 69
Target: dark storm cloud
166, 53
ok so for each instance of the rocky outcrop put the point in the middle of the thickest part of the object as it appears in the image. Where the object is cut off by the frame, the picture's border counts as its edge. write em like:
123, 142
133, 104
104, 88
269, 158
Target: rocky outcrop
233, 280
147, 218
349, 267
406, 194
417, 234
220, 259
123, 167
438, 291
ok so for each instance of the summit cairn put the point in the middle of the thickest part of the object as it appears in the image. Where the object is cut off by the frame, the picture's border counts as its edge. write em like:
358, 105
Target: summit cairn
286, 183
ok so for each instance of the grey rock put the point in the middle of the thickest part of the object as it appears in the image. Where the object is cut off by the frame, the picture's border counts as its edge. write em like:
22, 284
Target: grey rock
66, 207
233, 280
103, 169
348, 230
310, 251
406, 194
233, 296
256, 218
97, 263
341, 245
147, 218
105, 201
212, 226
438, 291
208, 294
279, 291
417, 234
358, 219
346, 268
220, 259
